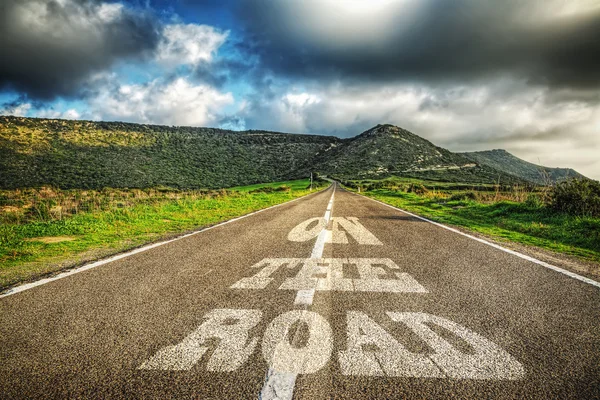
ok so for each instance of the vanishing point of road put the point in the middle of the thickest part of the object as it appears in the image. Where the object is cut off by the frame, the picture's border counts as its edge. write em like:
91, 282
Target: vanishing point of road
333, 295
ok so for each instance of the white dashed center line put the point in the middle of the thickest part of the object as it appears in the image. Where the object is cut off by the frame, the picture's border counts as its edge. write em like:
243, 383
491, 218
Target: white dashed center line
305, 297
280, 384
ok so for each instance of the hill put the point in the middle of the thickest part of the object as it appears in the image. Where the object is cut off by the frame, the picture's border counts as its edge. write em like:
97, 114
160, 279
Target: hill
504, 161
84, 154
386, 150
92, 155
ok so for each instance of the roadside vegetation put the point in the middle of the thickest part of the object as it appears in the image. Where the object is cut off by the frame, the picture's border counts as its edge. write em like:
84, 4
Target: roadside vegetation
564, 218
46, 229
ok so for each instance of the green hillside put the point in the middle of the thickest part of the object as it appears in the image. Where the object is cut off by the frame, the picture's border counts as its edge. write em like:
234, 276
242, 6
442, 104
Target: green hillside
504, 161
83, 154
92, 155
388, 150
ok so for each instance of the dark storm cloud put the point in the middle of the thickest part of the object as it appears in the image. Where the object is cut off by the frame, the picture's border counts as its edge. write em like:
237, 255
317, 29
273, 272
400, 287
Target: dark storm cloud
50, 47
428, 41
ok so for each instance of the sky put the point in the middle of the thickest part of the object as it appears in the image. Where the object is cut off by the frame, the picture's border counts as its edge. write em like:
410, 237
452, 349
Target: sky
522, 75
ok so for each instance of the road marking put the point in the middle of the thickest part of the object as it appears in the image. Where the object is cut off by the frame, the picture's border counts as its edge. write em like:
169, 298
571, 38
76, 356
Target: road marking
485, 360
263, 277
314, 227
496, 246
308, 229
305, 297
317, 251
27, 286
279, 384
385, 355
327, 274
234, 347
488, 361
324, 234
370, 349
352, 227
291, 357
301, 341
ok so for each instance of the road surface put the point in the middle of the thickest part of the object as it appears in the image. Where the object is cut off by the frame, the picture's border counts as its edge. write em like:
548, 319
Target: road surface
330, 296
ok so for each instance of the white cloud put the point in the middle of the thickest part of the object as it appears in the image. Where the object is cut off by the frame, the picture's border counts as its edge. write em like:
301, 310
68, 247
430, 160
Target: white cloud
18, 110
109, 12
188, 44
71, 114
294, 100
51, 113
179, 102
26, 109
286, 113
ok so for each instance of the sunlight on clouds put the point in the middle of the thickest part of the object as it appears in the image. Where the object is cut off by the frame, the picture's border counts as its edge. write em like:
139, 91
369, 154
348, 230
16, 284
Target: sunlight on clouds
362, 6
179, 102
67, 19
51, 113
347, 23
300, 99
568, 8
189, 44
109, 12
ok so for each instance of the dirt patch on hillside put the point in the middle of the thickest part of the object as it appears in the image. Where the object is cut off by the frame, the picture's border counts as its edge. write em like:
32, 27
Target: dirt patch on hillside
52, 239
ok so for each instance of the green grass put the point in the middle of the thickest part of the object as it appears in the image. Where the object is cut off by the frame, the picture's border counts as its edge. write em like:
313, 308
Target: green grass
507, 220
399, 182
118, 226
300, 184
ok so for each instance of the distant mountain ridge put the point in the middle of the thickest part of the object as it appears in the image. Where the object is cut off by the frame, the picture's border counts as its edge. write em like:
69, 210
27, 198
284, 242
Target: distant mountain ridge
389, 150
86, 154
502, 159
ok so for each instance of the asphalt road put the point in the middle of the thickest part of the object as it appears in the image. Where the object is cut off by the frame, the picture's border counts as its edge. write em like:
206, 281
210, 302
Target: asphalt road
330, 296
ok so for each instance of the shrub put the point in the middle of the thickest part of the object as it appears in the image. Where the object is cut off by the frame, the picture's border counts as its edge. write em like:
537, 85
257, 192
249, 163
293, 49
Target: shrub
350, 184
534, 201
376, 185
417, 188
463, 196
271, 189
577, 197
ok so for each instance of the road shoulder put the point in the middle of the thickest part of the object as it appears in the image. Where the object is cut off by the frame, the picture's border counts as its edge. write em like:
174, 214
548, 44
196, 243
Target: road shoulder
587, 269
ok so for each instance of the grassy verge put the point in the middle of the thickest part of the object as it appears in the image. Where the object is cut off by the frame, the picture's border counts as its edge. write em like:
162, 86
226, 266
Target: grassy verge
46, 230
527, 221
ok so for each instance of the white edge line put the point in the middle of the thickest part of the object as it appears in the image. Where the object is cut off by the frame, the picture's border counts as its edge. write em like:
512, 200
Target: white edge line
494, 245
27, 286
